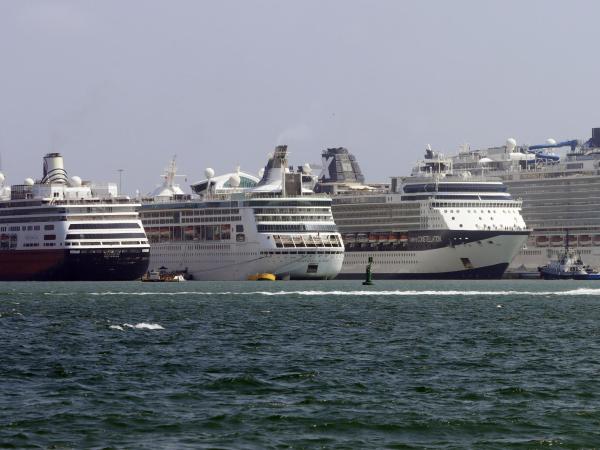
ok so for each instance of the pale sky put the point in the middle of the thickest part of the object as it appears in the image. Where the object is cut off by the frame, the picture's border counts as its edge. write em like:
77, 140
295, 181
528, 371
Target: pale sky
127, 84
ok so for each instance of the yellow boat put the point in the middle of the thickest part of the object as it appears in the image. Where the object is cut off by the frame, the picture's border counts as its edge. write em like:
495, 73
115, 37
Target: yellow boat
262, 277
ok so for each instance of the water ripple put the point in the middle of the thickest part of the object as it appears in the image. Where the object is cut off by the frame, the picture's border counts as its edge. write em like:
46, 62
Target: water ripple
300, 365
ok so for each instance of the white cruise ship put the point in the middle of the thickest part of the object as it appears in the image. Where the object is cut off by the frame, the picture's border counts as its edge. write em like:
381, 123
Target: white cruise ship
65, 229
560, 194
236, 226
432, 224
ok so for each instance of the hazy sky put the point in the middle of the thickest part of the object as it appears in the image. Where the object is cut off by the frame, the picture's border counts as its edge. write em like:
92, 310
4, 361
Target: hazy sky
127, 84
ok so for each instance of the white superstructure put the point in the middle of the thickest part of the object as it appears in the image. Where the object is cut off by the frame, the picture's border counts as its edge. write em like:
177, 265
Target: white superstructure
66, 229
236, 226
559, 190
432, 224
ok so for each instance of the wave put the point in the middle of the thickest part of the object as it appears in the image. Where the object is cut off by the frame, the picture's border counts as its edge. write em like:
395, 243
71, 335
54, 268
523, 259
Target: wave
572, 292
138, 326
144, 326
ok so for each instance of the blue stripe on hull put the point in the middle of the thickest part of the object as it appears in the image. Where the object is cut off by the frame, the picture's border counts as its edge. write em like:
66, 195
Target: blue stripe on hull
488, 273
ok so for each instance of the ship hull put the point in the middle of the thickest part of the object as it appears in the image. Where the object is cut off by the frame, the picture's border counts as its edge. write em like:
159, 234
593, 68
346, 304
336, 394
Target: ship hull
73, 265
481, 273
236, 262
439, 255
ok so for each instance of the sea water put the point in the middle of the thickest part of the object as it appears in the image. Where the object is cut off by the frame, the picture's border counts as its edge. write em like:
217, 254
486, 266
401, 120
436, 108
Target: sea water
406, 364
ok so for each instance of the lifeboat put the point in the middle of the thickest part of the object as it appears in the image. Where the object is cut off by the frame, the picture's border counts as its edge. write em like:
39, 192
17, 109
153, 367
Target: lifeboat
541, 241
349, 238
394, 237
362, 237
585, 240
557, 241
596, 239
383, 237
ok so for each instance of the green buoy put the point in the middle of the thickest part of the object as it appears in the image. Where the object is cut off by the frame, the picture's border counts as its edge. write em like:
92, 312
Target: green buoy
369, 275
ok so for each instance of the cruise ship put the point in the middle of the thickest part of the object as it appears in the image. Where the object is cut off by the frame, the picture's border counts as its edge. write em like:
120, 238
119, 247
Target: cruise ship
235, 226
432, 224
559, 184
61, 228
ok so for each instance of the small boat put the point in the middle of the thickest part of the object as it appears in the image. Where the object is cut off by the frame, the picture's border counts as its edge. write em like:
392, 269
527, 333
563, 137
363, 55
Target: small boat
262, 277
568, 266
162, 276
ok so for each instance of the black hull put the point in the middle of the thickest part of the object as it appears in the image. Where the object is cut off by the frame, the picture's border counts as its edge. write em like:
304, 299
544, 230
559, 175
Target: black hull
494, 272
79, 265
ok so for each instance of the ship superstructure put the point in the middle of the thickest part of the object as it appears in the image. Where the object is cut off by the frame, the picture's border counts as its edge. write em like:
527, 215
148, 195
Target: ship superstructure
61, 228
560, 193
235, 226
432, 224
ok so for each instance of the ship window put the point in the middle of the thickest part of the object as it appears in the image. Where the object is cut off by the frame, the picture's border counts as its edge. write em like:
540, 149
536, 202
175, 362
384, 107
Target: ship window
312, 268
239, 228
48, 227
49, 237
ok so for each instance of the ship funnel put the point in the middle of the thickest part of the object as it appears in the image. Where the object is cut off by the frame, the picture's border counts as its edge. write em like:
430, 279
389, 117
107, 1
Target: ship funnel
54, 170
275, 166
340, 166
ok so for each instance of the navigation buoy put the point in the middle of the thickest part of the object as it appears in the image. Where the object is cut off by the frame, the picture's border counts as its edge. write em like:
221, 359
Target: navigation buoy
369, 275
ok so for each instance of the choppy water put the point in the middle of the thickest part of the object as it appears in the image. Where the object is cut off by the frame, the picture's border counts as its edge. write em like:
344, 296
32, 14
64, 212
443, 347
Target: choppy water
507, 364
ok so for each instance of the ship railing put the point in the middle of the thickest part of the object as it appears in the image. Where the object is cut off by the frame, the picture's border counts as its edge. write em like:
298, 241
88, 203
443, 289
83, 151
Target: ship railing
94, 200
256, 195
235, 196
358, 192
509, 203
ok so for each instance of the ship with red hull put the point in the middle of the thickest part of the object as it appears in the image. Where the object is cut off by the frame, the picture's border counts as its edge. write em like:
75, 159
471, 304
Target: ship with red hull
63, 229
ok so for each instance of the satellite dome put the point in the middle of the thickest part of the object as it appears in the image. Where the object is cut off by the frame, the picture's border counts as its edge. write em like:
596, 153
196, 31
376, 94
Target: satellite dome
28, 182
209, 172
551, 141
234, 180
75, 181
306, 168
2, 177
511, 143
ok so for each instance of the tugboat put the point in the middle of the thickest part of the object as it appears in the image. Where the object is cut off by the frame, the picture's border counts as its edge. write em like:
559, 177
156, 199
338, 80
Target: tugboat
568, 266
